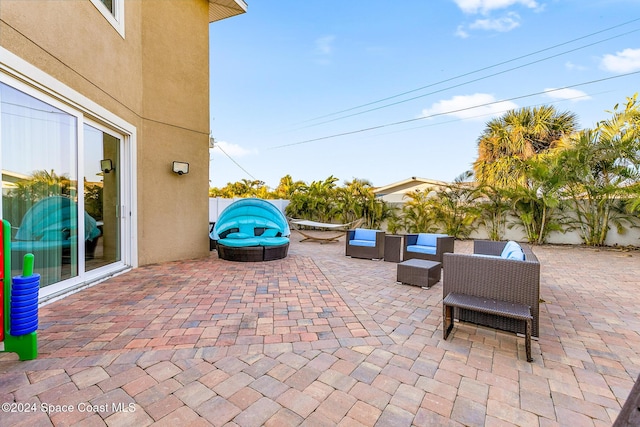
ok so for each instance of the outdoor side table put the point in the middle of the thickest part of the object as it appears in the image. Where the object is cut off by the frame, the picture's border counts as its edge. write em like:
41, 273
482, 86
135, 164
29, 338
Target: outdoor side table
419, 272
393, 247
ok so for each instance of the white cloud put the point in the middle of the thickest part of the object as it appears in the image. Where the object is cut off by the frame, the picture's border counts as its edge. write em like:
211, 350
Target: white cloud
460, 32
486, 6
324, 49
569, 94
571, 66
324, 45
625, 61
233, 150
503, 25
476, 106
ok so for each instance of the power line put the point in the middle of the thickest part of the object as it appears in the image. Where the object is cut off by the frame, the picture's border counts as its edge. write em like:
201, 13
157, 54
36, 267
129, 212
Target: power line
491, 114
464, 83
236, 163
452, 111
473, 72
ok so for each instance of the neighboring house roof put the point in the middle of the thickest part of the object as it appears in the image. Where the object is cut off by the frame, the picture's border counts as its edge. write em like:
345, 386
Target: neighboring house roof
10, 179
395, 192
222, 9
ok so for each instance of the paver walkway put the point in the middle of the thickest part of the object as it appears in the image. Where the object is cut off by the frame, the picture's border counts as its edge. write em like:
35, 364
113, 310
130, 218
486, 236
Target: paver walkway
321, 339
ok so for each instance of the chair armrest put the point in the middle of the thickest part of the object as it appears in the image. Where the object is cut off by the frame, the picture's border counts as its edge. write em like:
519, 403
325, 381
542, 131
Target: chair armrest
488, 247
410, 239
348, 237
444, 244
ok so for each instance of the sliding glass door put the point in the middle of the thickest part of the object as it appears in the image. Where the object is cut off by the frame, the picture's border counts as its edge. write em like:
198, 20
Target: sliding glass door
61, 187
102, 196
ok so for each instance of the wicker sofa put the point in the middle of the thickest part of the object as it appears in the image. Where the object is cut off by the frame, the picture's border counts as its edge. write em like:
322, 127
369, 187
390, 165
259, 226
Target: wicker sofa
251, 230
494, 277
427, 246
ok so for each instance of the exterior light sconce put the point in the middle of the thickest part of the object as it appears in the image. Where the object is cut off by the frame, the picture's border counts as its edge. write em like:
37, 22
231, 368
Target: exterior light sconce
181, 168
106, 165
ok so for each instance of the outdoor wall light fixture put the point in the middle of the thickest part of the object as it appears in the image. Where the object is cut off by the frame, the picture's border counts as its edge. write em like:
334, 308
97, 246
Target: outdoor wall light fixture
181, 168
106, 165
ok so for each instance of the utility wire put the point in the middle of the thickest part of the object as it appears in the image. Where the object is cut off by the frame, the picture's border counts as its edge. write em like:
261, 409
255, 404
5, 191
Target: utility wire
236, 163
480, 70
459, 84
452, 111
489, 114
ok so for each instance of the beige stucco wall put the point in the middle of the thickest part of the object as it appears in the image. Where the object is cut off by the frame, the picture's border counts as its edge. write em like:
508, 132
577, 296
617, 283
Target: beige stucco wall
156, 78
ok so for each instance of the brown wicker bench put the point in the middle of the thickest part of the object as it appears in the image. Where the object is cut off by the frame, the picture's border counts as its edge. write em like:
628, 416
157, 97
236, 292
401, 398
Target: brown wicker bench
487, 306
493, 277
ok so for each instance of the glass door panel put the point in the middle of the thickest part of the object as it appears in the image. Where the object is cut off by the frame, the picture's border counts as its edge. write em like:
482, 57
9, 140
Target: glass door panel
39, 183
101, 198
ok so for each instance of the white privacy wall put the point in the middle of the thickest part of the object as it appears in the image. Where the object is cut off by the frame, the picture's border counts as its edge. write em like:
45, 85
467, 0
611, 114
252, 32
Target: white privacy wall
218, 204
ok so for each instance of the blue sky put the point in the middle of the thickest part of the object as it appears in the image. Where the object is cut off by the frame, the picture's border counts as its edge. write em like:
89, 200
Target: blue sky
385, 90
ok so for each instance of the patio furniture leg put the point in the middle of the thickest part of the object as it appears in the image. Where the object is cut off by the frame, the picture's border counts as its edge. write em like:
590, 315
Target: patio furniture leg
527, 341
447, 323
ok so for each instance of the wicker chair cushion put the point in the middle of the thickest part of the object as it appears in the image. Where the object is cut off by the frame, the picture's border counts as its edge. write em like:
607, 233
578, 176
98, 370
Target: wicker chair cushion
364, 234
270, 232
428, 239
358, 242
239, 243
238, 235
273, 241
512, 250
253, 241
422, 249
516, 254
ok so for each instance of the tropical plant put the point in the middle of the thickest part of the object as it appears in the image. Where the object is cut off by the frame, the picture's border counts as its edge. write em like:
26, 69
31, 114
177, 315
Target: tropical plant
243, 188
453, 207
93, 201
602, 172
417, 216
493, 204
40, 185
315, 202
357, 200
536, 202
510, 140
287, 187
394, 220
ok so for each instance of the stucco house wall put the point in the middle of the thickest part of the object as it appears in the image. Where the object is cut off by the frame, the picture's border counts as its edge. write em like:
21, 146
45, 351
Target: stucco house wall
156, 78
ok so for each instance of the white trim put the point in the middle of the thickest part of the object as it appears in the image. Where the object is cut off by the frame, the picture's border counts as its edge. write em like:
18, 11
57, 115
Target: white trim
117, 18
56, 292
35, 82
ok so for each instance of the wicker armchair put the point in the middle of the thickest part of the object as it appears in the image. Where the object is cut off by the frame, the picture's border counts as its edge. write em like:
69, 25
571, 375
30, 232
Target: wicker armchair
443, 244
494, 278
362, 243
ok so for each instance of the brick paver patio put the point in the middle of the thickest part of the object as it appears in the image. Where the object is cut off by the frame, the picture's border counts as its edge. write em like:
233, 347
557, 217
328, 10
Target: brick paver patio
319, 339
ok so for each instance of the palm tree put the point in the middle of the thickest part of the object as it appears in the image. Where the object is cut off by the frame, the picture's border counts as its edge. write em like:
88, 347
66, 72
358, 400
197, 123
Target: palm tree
602, 169
356, 200
536, 201
317, 201
508, 141
287, 187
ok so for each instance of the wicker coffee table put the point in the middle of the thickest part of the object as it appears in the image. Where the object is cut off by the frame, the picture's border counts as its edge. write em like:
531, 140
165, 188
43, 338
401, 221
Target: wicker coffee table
419, 272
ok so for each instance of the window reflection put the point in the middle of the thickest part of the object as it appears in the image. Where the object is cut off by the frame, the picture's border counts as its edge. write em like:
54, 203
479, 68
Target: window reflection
39, 184
101, 196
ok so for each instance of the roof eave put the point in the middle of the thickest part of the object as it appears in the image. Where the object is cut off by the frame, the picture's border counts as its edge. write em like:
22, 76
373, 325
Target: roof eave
223, 9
